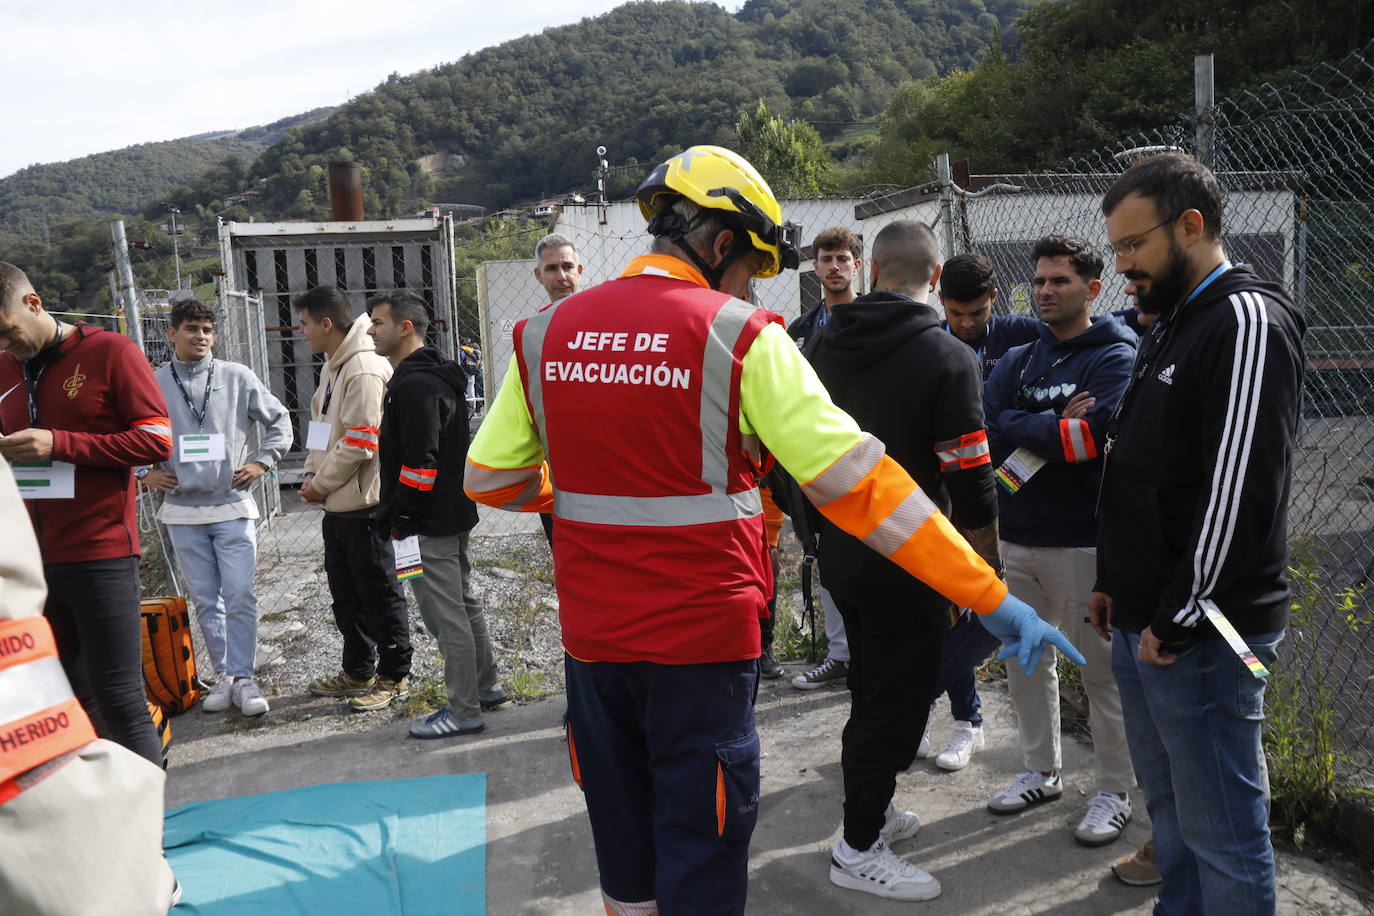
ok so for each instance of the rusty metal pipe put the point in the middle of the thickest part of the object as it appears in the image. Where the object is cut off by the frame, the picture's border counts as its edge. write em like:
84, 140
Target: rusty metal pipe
346, 191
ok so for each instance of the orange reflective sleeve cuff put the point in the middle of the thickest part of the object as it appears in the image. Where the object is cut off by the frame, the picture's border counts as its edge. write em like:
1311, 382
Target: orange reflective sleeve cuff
515, 489
883, 507
952, 568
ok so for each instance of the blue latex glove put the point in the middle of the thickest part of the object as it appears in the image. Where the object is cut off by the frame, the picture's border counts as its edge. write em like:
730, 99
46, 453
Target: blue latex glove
1024, 634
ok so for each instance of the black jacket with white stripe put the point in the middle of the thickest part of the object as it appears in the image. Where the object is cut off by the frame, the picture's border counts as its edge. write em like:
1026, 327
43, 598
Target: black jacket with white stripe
1195, 486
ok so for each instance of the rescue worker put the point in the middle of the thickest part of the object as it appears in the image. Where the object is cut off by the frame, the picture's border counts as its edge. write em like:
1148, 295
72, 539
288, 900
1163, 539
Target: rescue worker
80, 817
642, 412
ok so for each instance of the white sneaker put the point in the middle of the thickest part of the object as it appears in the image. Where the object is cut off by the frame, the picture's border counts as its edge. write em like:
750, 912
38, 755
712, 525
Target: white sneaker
219, 699
964, 741
249, 698
879, 871
1029, 789
898, 825
924, 750
1107, 816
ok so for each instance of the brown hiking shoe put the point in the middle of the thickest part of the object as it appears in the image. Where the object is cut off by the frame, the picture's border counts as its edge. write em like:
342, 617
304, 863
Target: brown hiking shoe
382, 694
1138, 869
341, 685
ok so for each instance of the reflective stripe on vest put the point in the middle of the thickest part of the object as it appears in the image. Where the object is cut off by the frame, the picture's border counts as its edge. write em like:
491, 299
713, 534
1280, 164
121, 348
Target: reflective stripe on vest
661, 511
39, 717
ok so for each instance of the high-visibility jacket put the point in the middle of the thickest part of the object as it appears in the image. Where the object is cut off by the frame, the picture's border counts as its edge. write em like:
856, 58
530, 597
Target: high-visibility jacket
654, 400
80, 817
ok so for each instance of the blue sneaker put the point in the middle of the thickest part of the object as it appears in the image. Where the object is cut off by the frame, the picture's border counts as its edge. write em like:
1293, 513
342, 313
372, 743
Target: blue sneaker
444, 724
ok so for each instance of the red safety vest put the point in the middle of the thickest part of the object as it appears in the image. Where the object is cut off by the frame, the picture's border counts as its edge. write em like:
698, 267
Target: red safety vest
633, 386
40, 719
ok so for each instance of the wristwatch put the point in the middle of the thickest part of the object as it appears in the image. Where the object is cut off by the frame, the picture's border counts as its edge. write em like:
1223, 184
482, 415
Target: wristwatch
140, 473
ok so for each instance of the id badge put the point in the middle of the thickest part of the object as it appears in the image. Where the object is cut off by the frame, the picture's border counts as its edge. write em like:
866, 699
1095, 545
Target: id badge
45, 479
317, 436
1018, 469
408, 565
201, 447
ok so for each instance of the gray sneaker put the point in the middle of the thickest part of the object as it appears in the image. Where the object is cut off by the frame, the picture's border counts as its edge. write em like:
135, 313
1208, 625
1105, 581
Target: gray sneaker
491, 699
830, 671
444, 724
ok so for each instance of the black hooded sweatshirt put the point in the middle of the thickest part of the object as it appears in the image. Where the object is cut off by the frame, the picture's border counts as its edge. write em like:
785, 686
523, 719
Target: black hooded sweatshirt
423, 448
1195, 483
888, 364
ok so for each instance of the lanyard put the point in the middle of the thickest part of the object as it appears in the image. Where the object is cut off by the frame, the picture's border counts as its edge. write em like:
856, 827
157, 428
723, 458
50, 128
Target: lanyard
205, 402
1030, 357
329, 393
32, 376
1158, 331
979, 350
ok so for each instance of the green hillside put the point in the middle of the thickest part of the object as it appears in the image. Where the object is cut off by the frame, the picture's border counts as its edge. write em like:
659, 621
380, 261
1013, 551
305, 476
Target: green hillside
122, 182
522, 120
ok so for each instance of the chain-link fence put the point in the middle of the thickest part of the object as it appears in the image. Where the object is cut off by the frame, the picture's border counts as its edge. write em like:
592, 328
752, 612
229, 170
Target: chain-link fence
1295, 161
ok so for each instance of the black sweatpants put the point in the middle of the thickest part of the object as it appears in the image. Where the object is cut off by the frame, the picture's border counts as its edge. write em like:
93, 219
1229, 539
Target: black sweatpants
93, 608
894, 662
369, 603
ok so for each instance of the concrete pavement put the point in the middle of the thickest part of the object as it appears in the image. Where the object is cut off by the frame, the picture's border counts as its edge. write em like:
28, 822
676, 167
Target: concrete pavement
539, 854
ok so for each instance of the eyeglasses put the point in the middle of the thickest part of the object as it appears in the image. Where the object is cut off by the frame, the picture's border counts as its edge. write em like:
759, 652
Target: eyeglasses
1127, 246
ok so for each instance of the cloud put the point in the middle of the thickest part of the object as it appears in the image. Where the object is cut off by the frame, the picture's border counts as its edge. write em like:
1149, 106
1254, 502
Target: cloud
97, 76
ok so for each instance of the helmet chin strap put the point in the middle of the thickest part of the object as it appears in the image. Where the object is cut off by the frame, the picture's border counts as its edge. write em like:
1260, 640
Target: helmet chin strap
673, 227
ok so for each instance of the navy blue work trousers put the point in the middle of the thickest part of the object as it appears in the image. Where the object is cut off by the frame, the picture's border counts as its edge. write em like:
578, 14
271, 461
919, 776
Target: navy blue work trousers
668, 759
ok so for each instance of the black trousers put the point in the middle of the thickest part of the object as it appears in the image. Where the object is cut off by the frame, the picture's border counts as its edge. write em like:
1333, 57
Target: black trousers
894, 662
369, 603
93, 608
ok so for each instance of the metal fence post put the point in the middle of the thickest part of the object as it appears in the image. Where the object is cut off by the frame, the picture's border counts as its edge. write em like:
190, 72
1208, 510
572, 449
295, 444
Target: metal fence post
128, 292
1204, 96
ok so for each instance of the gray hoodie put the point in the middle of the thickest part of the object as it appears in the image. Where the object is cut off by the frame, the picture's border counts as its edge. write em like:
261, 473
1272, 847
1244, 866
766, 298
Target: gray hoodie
237, 399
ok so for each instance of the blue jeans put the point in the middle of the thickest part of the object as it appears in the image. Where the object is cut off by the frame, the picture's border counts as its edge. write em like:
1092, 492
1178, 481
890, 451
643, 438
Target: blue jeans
218, 561
966, 647
1194, 732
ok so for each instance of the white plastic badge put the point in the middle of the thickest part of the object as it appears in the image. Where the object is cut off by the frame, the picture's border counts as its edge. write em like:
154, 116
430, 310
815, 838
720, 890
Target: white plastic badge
1018, 469
201, 447
408, 565
45, 479
317, 435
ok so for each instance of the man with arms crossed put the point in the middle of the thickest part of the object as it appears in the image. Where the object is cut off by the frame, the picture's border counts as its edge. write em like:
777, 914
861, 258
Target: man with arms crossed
1047, 406
1193, 540
209, 511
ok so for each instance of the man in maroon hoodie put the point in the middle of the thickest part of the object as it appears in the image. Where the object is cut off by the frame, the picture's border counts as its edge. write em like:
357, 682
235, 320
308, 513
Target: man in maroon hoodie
78, 409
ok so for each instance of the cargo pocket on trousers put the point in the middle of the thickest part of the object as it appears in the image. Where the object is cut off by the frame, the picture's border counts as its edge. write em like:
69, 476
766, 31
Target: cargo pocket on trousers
737, 787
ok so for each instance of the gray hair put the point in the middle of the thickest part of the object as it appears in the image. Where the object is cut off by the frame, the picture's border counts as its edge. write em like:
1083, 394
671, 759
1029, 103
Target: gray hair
706, 224
551, 241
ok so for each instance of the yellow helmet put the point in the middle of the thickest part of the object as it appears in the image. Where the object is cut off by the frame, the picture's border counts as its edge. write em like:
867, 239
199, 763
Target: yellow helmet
719, 179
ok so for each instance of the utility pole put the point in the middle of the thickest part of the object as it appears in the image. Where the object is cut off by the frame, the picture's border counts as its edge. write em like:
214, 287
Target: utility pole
1205, 97
127, 292
176, 252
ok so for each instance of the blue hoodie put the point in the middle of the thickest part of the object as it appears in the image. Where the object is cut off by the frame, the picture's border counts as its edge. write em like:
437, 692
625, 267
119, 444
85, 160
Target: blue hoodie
1023, 400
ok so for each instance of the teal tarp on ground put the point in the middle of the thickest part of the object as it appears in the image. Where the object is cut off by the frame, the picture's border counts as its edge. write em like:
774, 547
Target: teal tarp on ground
405, 847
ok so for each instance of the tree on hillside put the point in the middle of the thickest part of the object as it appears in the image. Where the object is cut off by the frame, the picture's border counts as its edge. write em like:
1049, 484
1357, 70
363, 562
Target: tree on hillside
789, 154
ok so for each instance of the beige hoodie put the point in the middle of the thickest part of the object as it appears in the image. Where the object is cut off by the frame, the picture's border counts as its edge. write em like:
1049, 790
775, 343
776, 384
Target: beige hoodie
85, 832
354, 382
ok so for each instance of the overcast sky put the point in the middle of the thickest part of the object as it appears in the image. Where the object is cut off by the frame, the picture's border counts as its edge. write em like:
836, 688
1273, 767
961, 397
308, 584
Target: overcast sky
84, 77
